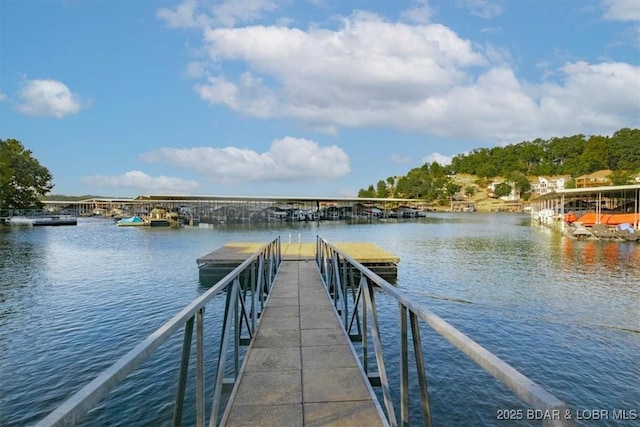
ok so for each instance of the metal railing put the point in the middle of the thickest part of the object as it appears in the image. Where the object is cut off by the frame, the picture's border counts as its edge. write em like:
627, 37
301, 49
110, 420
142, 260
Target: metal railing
243, 302
351, 286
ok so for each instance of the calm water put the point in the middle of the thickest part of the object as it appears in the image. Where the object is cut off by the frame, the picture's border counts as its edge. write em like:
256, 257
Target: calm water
565, 313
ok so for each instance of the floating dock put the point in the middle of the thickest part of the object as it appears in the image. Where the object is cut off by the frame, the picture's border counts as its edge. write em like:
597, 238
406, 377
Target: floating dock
220, 262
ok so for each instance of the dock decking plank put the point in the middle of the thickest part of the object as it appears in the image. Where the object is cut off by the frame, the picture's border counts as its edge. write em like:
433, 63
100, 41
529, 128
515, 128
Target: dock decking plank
364, 252
300, 369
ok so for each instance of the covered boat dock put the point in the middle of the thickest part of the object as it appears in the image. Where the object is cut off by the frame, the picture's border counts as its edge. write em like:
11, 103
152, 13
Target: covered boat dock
607, 207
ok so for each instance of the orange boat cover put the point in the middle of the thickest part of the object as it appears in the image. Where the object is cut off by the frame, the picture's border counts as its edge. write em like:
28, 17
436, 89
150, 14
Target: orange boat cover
589, 219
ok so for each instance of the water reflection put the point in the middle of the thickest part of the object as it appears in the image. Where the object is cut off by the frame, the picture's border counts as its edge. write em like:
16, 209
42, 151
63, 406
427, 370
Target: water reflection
561, 311
591, 255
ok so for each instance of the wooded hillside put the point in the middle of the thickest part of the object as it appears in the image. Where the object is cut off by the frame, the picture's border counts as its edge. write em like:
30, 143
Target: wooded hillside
574, 155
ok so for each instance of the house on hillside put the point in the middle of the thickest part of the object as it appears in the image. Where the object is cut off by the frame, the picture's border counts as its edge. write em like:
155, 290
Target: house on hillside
547, 184
596, 179
491, 188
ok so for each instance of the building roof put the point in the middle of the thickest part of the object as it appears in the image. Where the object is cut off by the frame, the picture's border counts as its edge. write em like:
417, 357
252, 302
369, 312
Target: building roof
599, 174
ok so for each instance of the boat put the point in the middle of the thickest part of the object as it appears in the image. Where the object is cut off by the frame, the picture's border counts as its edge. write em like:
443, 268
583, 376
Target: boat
134, 221
578, 231
626, 232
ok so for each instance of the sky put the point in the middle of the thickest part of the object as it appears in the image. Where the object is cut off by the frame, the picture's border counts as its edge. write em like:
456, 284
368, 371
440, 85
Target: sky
302, 97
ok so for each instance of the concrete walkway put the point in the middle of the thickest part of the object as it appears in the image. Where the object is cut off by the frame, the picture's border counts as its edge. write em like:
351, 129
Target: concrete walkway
299, 370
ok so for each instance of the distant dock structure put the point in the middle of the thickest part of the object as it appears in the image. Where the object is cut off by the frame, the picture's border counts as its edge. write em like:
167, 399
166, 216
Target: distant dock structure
216, 209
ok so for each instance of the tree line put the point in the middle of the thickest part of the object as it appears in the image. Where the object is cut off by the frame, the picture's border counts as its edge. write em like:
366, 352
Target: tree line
573, 156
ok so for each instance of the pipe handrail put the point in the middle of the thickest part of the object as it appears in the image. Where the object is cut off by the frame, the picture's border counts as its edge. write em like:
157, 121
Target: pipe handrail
523, 387
87, 397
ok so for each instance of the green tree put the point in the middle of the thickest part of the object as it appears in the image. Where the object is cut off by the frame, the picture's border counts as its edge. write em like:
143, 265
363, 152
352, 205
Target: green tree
381, 190
369, 192
621, 177
470, 191
391, 184
502, 190
520, 181
595, 155
624, 150
23, 180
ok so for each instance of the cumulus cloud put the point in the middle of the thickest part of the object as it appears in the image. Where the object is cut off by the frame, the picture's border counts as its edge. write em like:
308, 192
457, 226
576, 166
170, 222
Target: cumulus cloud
2, 97
49, 98
621, 10
601, 96
419, 77
288, 159
141, 182
438, 158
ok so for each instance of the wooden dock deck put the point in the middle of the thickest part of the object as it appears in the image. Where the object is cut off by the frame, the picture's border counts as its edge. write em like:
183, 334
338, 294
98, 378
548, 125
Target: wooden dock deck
221, 261
300, 369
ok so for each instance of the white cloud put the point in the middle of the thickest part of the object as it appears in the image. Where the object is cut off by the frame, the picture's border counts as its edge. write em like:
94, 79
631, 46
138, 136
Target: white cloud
437, 157
49, 98
288, 159
200, 14
482, 8
349, 77
232, 11
2, 97
183, 16
420, 14
600, 96
622, 10
142, 183
370, 72
196, 69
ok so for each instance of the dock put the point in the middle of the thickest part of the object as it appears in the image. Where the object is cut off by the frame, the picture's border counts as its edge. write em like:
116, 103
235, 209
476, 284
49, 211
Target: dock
216, 264
300, 369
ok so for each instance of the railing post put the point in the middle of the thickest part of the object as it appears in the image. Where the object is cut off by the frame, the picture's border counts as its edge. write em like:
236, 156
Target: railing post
365, 338
224, 343
254, 299
377, 344
421, 369
182, 376
345, 303
520, 385
200, 414
404, 367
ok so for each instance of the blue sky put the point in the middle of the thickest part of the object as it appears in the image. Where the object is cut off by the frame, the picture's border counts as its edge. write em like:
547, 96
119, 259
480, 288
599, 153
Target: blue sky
302, 97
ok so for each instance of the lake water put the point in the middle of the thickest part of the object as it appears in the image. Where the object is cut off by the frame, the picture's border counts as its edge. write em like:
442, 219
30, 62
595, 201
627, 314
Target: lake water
565, 313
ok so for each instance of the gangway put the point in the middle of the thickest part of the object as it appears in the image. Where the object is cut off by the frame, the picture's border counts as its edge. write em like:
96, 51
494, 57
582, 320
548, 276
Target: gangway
302, 321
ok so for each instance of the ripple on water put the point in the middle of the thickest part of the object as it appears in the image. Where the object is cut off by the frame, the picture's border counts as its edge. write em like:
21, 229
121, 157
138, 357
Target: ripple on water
75, 299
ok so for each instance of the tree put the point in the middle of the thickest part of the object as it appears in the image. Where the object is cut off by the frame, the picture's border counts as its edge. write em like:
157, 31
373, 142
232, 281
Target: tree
369, 192
381, 190
621, 177
502, 190
23, 180
470, 191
